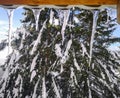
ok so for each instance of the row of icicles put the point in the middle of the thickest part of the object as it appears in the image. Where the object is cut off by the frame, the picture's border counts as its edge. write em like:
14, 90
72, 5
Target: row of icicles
36, 12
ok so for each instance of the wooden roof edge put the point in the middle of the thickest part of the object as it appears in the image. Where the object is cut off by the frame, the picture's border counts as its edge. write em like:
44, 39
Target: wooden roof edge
58, 2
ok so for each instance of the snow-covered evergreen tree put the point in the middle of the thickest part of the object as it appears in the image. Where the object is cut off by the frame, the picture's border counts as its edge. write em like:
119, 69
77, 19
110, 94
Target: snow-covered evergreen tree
66, 57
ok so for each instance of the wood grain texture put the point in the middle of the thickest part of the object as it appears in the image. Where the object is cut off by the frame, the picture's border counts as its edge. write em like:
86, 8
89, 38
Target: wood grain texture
58, 2
118, 12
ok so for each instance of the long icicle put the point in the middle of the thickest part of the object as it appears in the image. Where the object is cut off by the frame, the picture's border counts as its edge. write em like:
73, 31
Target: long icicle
95, 17
89, 90
66, 14
36, 13
44, 94
56, 89
51, 16
35, 89
10, 17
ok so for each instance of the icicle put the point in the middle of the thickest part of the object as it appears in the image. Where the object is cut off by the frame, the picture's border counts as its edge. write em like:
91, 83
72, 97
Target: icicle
61, 16
73, 77
51, 17
35, 89
95, 17
44, 94
76, 63
38, 40
89, 90
10, 13
36, 12
56, 89
21, 85
66, 14
84, 50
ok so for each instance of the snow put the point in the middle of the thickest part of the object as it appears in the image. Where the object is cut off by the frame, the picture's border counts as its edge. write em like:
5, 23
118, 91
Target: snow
73, 77
35, 89
4, 78
21, 84
76, 19
38, 40
111, 79
56, 22
65, 56
33, 63
44, 93
13, 57
76, 63
58, 50
23, 36
33, 74
3, 57
1, 73
61, 68
54, 73
15, 91
84, 50
68, 48
56, 89
27, 97
4, 54
18, 80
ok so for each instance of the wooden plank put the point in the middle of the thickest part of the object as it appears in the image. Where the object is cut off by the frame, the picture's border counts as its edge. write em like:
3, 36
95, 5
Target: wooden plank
118, 11
58, 2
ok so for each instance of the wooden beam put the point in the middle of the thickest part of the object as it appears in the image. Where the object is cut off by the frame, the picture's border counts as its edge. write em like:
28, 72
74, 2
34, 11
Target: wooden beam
118, 11
58, 2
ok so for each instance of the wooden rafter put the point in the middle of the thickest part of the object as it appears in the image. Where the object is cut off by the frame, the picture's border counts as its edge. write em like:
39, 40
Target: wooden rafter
58, 2
118, 12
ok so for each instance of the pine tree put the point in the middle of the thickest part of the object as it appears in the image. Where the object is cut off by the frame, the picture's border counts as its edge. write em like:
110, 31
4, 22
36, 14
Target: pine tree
65, 60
